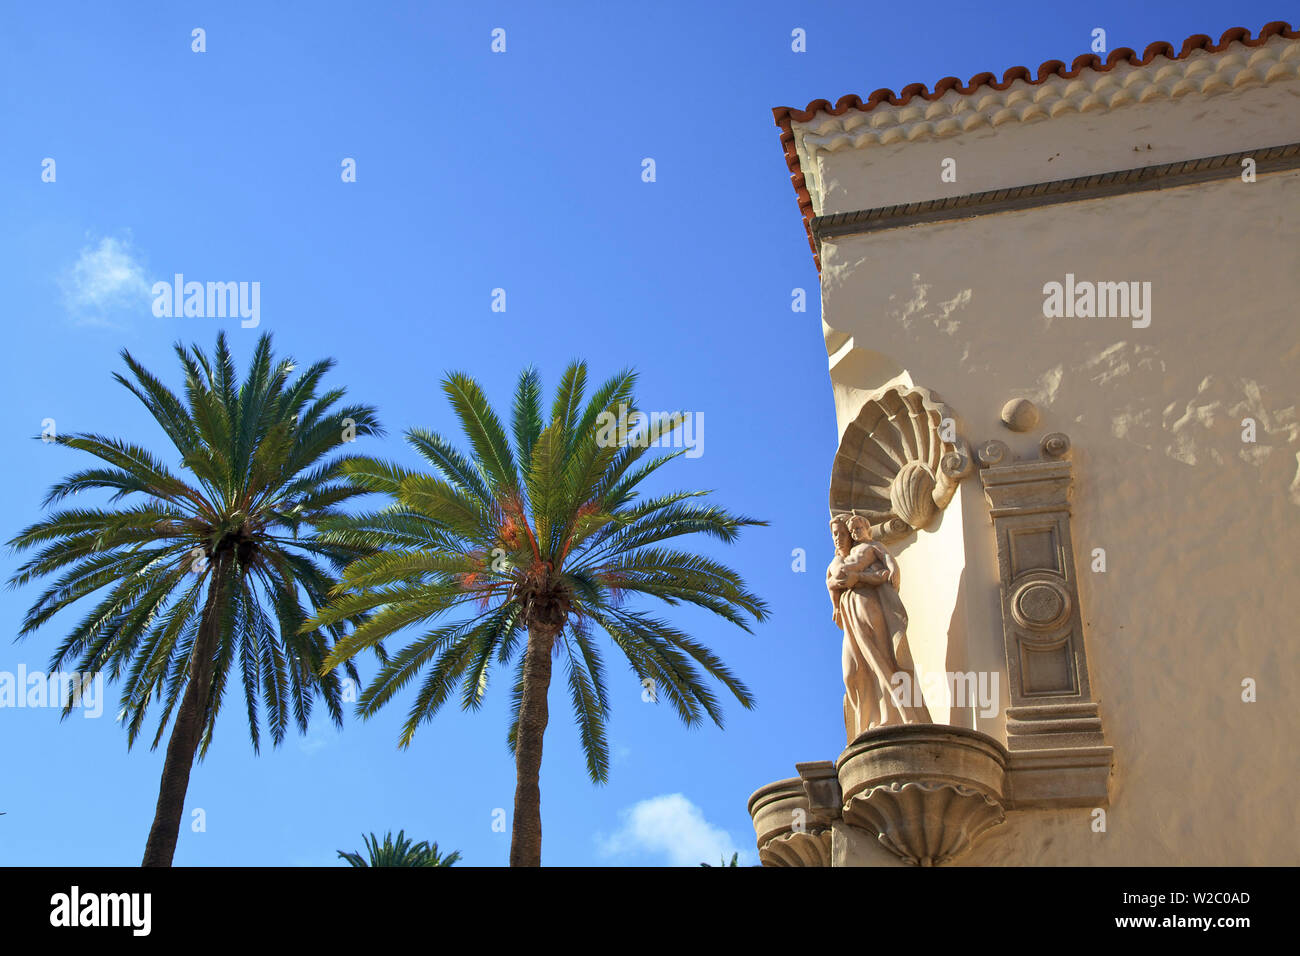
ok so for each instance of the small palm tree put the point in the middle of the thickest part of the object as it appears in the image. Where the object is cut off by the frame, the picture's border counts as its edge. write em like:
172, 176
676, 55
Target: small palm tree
399, 851
722, 861
544, 540
205, 574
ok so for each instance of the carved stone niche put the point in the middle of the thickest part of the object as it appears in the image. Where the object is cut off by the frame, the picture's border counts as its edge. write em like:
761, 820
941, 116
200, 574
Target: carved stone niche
1058, 757
927, 792
893, 465
793, 817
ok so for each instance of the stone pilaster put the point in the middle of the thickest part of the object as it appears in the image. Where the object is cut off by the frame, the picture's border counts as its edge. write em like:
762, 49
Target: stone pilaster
1054, 736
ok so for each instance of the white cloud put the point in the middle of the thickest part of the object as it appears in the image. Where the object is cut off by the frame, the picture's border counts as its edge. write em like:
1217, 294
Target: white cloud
316, 739
105, 277
672, 826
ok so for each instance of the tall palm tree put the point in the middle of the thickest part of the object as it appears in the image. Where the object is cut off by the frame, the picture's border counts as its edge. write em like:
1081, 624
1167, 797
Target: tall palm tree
399, 852
203, 569
546, 538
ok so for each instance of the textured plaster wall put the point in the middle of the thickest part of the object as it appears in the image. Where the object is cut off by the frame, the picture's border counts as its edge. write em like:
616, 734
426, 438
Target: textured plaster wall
1201, 531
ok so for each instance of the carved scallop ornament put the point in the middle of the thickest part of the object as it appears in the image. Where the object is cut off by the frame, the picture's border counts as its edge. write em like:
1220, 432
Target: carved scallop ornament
797, 848
926, 823
789, 831
927, 792
893, 465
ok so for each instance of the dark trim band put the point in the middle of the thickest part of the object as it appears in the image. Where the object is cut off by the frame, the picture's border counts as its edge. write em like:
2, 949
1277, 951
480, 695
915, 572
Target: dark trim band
1274, 159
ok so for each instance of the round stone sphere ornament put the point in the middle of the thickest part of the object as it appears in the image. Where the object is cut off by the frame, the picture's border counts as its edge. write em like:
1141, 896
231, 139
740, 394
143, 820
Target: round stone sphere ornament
1020, 414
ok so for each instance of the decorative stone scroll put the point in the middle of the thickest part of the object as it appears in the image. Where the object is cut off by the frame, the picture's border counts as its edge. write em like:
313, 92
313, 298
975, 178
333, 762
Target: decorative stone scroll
1057, 754
899, 462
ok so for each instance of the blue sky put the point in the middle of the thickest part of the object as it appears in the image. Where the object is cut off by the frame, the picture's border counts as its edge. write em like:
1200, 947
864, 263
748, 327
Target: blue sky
475, 171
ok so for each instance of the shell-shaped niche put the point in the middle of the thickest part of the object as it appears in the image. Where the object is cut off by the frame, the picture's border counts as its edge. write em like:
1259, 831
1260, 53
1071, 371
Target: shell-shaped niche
894, 466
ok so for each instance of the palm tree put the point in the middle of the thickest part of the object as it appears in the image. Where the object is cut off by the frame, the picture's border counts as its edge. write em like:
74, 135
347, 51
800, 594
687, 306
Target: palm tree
240, 524
399, 852
545, 539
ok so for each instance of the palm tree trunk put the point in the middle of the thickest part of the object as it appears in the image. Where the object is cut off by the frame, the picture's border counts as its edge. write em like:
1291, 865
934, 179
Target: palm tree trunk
188, 729
526, 834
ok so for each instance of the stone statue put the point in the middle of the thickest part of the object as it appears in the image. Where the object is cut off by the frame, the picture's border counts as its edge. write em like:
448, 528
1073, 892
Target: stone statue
863, 584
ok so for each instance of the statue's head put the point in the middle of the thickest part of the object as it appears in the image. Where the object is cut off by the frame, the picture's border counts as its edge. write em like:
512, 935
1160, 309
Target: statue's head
859, 528
840, 533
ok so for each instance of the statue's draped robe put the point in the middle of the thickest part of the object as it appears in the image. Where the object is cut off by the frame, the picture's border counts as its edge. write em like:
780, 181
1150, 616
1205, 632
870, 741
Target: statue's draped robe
875, 647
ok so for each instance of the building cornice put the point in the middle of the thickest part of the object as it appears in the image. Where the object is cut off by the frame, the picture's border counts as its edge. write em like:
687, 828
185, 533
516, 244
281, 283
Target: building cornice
1202, 67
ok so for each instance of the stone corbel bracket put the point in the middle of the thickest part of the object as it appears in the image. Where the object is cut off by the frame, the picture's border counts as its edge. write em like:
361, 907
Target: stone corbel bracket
793, 817
899, 462
927, 792
1057, 755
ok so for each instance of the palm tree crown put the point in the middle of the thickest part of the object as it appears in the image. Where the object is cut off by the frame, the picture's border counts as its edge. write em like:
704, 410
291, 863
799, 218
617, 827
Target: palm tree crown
399, 851
547, 537
238, 520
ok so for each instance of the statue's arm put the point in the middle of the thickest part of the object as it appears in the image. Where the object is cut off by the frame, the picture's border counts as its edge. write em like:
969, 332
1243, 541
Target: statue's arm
869, 560
835, 606
839, 579
895, 572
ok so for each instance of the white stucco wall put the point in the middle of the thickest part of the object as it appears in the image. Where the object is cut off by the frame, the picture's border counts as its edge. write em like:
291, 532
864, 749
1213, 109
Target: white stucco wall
1201, 531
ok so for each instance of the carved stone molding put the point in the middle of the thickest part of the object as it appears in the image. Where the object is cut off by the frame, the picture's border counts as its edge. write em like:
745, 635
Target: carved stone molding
927, 792
1190, 172
789, 831
893, 465
1058, 756
1059, 777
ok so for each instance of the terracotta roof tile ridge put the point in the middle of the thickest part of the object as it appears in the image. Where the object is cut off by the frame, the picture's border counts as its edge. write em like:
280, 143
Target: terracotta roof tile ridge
786, 116
1050, 68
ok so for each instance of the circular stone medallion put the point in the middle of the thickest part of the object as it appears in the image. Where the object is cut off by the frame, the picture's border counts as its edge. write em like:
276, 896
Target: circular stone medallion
1040, 605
